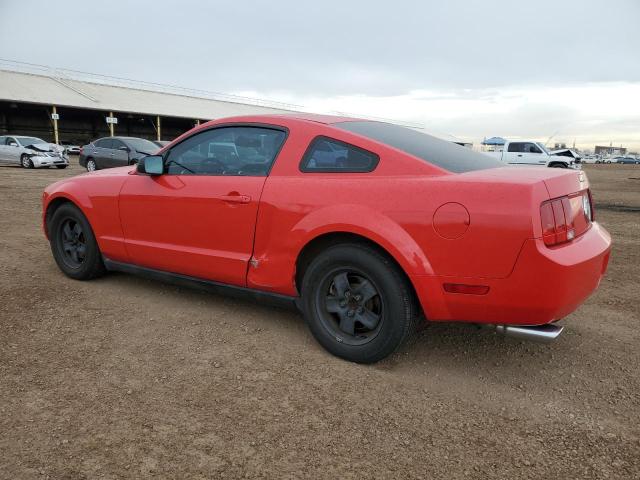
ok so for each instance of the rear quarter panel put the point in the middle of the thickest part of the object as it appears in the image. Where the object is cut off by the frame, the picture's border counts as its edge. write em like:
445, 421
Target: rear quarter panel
393, 206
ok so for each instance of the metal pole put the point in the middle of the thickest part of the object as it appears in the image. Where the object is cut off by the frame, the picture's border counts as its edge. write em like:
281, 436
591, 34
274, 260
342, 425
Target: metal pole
54, 115
111, 124
158, 123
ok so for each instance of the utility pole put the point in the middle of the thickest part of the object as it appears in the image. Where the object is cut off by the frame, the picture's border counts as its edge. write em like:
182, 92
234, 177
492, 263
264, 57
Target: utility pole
55, 117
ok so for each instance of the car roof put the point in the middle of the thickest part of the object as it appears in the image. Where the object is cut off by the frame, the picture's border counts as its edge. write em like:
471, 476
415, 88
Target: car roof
127, 138
118, 137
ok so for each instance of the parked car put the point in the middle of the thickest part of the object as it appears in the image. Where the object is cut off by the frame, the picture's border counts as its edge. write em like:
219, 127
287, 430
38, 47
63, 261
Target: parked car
406, 224
71, 148
628, 160
161, 143
591, 159
530, 152
109, 152
31, 152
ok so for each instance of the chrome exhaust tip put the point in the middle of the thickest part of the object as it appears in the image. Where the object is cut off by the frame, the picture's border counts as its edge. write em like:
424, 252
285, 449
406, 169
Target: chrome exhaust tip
539, 333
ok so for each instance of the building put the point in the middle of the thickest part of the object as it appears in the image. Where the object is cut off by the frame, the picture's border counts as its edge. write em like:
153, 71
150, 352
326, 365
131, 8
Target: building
65, 106
600, 150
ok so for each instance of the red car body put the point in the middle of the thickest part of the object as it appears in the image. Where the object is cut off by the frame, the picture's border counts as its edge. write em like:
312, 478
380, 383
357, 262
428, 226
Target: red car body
473, 245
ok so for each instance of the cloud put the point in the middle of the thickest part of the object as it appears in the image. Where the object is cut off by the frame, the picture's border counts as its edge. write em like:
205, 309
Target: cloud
588, 113
471, 68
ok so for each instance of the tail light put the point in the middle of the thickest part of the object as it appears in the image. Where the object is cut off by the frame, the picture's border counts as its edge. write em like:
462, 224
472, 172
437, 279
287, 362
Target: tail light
565, 218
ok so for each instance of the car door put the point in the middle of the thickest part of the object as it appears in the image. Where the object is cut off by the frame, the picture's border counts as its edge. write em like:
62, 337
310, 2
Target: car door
13, 150
101, 152
3, 148
524, 153
198, 218
119, 155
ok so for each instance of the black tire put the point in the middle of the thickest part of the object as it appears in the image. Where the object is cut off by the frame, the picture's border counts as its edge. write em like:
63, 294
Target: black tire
74, 245
26, 162
384, 294
558, 165
61, 166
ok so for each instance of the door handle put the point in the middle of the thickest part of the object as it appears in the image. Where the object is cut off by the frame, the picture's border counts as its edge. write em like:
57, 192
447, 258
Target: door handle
519, 154
236, 198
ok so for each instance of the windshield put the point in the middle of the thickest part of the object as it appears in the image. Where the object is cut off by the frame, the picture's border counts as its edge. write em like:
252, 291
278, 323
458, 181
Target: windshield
142, 145
444, 154
26, 141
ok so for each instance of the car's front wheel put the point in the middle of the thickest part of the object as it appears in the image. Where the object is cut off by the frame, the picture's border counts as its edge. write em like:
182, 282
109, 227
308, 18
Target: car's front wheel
73, 244
357, 303
26, 162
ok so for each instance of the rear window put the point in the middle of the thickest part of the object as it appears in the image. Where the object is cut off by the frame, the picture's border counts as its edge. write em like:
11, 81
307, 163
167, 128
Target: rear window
446, 155
330, 155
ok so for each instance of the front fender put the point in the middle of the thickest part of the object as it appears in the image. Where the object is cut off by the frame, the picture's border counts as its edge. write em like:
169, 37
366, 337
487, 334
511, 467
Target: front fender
66, 191
97, 198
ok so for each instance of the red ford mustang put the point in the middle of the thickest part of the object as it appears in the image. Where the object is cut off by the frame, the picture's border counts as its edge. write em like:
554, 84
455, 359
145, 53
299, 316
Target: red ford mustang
365, 226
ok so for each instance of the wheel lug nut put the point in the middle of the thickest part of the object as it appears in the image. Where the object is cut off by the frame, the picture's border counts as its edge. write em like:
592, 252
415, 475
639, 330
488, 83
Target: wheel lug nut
350, 313
358, 298
347, 294
360, 310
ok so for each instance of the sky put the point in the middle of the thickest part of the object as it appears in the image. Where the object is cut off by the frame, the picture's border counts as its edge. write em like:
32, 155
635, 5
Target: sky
552, 70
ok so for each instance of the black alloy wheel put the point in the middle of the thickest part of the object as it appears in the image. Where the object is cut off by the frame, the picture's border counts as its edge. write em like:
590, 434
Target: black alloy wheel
73, 243
358, 303
352, 306
74, 246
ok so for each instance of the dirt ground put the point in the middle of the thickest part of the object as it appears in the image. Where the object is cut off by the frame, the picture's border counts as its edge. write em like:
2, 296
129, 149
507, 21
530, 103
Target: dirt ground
128, 378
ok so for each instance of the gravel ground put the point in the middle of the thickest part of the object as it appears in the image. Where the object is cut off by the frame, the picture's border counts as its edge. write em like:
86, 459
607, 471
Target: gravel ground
128, 378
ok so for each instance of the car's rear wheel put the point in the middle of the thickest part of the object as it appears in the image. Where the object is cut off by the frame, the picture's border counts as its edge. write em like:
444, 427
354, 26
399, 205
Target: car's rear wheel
73, 244
61, 166
358, 303
91, 165
26, 162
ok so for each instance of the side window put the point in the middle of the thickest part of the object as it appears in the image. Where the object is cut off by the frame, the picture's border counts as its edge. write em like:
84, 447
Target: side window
531, 148
329, 155
3, 140
237, 151
103, 143
115, 144
516, 147
12, 141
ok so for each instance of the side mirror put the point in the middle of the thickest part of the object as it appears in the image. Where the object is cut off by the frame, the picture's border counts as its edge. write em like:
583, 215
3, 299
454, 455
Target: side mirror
125, 148
13, 144
151, 165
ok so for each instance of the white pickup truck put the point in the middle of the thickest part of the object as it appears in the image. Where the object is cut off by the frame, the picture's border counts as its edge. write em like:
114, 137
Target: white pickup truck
530, 152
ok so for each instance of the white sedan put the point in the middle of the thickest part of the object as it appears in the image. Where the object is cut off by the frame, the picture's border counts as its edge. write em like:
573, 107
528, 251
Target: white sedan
31, 152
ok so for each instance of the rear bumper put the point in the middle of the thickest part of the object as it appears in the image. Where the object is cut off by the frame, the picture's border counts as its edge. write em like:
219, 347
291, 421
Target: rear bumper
545, 285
